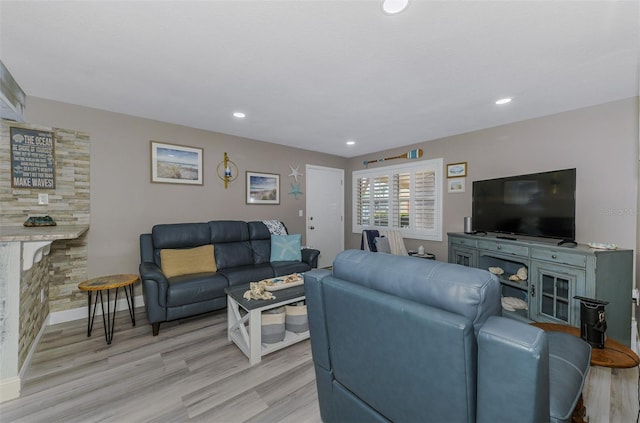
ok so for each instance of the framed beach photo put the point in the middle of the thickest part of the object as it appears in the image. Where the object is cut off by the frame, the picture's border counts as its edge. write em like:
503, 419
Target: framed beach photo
176, 164
263, 188
455, 185
457, 170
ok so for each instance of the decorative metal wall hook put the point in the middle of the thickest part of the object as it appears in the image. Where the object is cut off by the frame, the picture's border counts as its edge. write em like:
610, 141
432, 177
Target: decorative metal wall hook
227, 170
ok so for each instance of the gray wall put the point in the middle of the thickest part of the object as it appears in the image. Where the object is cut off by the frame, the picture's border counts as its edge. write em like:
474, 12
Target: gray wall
124, 203
600, 141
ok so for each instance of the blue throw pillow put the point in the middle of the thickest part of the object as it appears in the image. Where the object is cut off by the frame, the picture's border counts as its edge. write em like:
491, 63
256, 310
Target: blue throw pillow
285, 248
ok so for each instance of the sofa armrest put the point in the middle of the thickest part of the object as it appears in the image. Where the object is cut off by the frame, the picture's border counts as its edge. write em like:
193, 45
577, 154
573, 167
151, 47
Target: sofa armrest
154, 284
310, 256
146, 248
513, 363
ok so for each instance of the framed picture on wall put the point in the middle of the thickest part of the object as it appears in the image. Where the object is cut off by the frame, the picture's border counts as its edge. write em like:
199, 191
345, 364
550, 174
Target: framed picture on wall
176, 164
455, 185
457, 170
263, 188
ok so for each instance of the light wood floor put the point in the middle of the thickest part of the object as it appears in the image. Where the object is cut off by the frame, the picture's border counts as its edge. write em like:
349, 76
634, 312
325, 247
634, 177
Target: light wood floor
190, 372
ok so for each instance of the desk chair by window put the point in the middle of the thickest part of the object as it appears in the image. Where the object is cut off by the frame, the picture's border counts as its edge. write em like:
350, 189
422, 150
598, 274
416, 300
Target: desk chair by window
386, 241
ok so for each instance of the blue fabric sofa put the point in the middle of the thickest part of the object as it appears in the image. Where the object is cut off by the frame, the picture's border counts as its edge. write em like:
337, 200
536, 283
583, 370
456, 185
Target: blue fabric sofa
408, 340
242, 254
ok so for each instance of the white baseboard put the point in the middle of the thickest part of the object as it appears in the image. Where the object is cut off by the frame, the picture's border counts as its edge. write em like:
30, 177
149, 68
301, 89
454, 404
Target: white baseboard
10, 388
82, 313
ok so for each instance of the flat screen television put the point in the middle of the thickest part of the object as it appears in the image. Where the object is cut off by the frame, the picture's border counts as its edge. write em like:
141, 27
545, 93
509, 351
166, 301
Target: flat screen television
538, 204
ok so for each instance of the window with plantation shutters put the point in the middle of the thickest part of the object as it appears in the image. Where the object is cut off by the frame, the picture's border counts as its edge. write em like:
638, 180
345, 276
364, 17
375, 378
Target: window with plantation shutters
406, 197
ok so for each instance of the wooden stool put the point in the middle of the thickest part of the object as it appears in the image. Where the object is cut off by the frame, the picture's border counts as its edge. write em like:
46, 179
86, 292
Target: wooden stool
107, 283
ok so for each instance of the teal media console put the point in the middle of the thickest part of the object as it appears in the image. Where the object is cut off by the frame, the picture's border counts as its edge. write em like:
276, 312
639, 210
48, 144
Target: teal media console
555, 274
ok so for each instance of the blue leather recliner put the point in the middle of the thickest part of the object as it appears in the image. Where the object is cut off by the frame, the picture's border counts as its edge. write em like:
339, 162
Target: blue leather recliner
400, 339
242, 254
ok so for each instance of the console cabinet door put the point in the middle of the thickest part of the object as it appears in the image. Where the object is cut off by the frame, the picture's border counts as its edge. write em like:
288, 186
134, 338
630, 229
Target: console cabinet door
552, 290
464, 256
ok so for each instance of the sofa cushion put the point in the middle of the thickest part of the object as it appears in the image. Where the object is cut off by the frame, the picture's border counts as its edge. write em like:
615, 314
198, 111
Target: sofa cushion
285, 248
282, 268
231, 239
260, 242
194, 288
180, 235
185, 261
244, 274
228, 231
233, 254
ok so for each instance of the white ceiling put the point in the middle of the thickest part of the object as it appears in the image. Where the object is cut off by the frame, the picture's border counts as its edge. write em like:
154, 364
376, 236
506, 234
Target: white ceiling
314, 74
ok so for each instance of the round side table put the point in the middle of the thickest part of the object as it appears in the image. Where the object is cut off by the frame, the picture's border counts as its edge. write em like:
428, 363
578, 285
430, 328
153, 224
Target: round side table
614, 355
107, 283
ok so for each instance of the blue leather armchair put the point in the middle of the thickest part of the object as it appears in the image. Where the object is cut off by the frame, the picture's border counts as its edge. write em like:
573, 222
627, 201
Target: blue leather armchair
242, 254
405, 340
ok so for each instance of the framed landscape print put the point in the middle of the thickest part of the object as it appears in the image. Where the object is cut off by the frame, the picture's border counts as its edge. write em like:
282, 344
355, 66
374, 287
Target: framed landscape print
455, 185
457, 170
176, 164
263, 188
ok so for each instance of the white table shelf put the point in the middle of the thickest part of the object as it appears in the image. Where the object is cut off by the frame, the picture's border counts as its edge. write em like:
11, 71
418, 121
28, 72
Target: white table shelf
240, 328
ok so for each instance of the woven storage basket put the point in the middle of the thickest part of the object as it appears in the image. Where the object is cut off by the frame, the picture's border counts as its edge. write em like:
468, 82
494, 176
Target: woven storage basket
273, 325
296, 318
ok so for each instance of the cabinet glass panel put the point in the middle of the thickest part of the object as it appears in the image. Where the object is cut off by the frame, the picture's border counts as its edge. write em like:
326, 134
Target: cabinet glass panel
555, 296
463, 259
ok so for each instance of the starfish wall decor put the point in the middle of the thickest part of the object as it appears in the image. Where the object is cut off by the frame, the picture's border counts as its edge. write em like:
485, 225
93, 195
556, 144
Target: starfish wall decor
295, 172
295, 190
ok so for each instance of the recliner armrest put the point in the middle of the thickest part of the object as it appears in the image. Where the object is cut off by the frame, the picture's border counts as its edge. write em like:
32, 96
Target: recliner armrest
150, 273
513, 372
310, 256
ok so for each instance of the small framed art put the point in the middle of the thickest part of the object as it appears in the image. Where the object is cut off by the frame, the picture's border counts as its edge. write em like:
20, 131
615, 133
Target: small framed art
176, 164
263, 188
457, 170
455, 185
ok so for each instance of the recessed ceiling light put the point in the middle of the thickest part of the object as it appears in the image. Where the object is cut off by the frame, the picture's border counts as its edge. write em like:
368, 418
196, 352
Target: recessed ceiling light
504, 101
239, 115
351, 142
391, 7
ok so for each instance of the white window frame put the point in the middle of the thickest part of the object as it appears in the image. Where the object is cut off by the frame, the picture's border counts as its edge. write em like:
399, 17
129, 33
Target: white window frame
432, 165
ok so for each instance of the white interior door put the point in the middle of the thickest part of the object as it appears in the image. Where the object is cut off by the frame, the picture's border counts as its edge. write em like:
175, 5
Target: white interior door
325, 212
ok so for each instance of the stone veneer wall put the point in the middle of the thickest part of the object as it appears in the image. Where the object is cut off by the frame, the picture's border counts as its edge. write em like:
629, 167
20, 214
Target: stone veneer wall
69, 203
33, 311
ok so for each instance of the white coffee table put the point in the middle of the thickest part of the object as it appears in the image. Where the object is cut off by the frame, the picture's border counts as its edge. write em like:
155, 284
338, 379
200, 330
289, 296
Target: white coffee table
246, 331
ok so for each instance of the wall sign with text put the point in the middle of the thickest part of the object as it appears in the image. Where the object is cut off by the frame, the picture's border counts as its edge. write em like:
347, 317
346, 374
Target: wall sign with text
32, 159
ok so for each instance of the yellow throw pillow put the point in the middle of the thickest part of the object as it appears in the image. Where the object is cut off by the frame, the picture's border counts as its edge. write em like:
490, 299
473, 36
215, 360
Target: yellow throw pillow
185, 261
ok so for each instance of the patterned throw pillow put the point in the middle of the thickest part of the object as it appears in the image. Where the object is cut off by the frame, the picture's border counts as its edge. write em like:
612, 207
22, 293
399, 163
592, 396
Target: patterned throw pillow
285, 248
